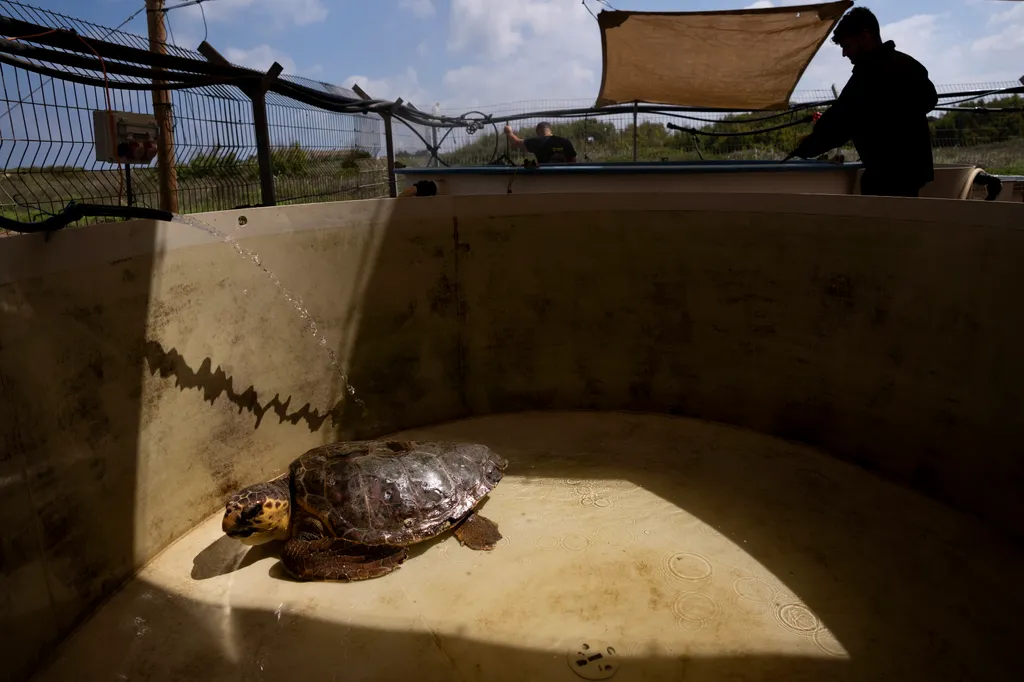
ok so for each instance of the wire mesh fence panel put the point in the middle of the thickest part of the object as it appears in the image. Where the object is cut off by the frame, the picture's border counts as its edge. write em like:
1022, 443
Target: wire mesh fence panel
47, 150
316, 154
46, 144
215, 152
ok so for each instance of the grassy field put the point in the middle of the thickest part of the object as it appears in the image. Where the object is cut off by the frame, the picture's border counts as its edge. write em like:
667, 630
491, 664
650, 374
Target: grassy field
36, 193
1001, 158
33, 194
993, 140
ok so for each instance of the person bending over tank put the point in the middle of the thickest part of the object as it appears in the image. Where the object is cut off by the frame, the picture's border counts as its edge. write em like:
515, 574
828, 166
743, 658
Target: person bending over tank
883, 108
548, 148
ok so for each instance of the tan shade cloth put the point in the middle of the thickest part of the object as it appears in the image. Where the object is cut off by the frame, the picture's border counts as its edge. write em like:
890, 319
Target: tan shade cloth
745, 59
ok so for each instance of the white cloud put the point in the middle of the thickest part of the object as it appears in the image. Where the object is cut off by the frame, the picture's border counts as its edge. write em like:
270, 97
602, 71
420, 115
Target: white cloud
477, 85
498, 28
420, 8
261, 58
524, 50
1009, 39
405, 85
1014, 15
184, 35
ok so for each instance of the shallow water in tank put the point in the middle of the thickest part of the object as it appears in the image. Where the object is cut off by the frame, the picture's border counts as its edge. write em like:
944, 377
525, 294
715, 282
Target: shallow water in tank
635, 547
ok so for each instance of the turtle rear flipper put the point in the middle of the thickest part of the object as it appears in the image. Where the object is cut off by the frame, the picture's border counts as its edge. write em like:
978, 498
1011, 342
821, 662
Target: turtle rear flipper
478, 532
332, 559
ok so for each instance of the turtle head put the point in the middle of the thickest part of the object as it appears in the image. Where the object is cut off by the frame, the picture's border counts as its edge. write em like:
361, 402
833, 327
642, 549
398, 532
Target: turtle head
259, 513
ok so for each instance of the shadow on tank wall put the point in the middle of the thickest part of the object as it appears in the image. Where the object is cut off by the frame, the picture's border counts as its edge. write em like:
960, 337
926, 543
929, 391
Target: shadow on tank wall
70, 366
216, 383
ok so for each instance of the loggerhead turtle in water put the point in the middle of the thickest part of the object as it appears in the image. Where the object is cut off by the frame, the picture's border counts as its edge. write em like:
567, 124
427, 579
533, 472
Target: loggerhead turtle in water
349, 510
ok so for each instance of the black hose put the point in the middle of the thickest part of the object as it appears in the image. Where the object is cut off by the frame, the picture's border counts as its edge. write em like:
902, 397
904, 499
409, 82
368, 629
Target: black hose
740, 133
740, 121
67, 39
100, 83
73, 212
962, 97
983, 110
42, 54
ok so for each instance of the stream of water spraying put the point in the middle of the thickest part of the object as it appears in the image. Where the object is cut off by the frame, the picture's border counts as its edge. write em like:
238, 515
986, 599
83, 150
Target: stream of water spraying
291, 297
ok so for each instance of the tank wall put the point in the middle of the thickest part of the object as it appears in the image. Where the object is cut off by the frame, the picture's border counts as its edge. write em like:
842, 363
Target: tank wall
147, 369
832, 181
950, 181
885, 331
882, 330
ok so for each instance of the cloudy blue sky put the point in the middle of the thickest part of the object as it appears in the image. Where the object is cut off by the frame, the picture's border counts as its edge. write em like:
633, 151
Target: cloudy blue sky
476, 52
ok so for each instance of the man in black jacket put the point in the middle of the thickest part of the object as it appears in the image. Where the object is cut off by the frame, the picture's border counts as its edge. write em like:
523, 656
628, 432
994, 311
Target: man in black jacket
883, 109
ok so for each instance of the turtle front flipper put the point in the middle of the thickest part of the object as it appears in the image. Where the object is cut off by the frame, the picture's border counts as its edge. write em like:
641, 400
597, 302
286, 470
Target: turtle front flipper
478, 532
332, 559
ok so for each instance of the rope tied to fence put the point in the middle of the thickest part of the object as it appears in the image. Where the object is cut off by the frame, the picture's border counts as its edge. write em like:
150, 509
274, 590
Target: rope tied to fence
37, 35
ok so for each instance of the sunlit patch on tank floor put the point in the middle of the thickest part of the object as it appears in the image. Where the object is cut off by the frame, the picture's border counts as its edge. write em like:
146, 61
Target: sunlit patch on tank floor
721, 550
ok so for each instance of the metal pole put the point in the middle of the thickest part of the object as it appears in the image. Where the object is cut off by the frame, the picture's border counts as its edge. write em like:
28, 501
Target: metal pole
636, 110
258, 94
389, 140
266, 162
168, 174
434, 162
128, 184
586, 138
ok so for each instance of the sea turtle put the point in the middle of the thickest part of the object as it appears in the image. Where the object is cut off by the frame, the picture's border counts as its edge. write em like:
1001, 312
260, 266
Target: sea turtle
349, 510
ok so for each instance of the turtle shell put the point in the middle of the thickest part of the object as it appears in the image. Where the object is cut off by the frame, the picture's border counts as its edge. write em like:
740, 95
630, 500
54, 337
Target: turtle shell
393, 492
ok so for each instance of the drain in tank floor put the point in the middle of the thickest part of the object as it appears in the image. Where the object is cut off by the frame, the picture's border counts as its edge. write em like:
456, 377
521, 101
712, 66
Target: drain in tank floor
593, 660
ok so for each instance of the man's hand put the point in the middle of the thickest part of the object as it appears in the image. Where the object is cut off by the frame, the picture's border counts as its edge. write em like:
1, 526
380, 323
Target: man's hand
799, 151
508, 130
